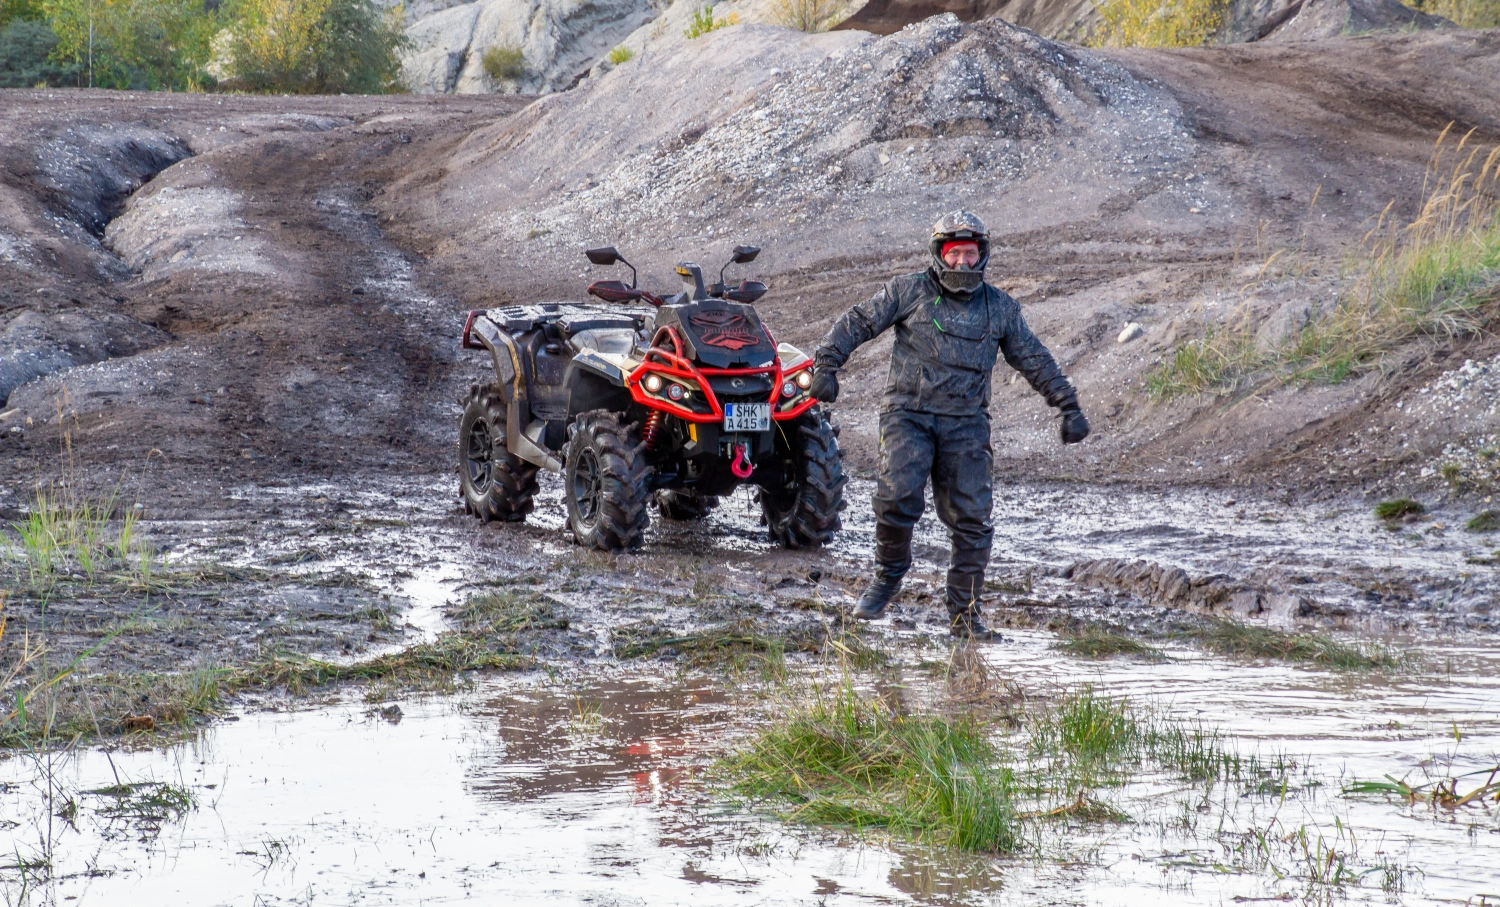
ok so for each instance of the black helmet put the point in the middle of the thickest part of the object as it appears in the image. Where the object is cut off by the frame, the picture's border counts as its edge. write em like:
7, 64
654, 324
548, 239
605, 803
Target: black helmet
959, 226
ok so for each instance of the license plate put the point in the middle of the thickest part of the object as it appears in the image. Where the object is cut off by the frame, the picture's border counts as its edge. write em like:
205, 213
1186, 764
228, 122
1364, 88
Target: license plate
747, 417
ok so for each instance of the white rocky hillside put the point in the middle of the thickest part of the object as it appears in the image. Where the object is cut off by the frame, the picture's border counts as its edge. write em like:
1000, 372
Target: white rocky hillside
555, 43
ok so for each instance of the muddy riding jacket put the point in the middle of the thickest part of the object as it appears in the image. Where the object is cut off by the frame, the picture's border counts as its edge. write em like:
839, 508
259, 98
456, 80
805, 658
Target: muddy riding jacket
945, 347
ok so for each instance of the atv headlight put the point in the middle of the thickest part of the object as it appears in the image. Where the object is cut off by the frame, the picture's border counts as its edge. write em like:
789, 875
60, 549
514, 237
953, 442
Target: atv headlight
653, 383
804, 379
676, 391
788, 388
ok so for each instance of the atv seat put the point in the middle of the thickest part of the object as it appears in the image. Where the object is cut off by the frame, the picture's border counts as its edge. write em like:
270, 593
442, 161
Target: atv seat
604, 340
578, 322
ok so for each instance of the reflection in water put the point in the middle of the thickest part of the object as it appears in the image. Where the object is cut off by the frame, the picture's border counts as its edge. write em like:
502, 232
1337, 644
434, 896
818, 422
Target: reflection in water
530, 792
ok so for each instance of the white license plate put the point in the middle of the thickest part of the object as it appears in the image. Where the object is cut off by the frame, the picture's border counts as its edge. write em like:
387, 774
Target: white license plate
747, 417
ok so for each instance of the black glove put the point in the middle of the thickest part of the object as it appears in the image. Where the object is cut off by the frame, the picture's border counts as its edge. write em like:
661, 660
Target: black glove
825, 385
1074, 426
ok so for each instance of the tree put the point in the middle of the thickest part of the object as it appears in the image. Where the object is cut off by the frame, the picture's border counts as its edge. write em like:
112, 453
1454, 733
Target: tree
315, 46
132, 43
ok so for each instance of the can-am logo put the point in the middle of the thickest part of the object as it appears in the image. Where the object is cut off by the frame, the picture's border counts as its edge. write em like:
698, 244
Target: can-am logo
729, 330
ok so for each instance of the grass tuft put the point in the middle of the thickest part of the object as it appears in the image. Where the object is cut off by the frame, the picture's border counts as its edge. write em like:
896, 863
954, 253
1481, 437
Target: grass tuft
1398, 508
704, 22
1485, 521
620, 54
1225, 637
839, 759
1097, 641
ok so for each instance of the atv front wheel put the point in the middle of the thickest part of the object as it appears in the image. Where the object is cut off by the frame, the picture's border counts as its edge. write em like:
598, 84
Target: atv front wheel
605, 483
494, 483
679, 504
802, 508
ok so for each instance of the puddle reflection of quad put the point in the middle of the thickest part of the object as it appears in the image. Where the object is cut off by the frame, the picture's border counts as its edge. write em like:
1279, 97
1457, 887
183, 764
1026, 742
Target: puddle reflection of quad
674, 405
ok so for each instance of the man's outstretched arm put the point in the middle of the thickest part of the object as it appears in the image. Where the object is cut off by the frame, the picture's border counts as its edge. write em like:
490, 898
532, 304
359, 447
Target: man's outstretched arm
1027, 355
857, 326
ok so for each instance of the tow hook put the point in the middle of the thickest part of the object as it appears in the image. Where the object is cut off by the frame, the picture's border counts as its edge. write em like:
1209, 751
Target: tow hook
742, 467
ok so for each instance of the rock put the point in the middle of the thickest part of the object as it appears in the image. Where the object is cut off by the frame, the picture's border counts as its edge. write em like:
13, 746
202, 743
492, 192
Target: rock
1334, 18
1058, 19
559, 40
1245, 603
1285, 607
439, 46
1131, 332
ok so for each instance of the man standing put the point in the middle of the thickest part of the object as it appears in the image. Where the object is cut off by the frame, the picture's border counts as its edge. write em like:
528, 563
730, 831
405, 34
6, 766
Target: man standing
934, 420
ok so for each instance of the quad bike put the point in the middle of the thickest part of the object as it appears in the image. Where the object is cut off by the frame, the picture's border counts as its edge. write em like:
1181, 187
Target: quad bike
673, 403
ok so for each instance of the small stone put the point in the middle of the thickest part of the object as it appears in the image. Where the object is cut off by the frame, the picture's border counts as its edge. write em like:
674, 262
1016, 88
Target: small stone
1131, 332
884, 158
1195, 211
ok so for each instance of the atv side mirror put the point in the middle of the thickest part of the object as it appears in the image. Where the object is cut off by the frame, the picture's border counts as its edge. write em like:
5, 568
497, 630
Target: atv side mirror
741, 255
609, 255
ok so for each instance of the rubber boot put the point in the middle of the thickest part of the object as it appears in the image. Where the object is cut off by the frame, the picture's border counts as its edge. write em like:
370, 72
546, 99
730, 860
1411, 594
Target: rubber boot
967, 625
963, 608
880, 593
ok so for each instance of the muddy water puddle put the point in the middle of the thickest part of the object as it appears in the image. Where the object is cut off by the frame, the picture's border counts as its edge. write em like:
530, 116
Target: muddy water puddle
591, 789
411, 544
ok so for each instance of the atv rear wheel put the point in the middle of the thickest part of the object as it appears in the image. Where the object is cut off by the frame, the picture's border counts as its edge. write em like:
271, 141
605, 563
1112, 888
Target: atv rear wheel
605, 482
802, 509
494, 483
680, 504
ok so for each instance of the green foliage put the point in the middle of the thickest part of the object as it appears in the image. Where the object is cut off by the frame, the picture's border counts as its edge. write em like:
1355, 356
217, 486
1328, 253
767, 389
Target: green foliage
1397, 508
1438, 276
26, 49
136, 44
1158, 23
315, 47
1465, 13
504, 62
18, 10
621, 54
811, 16
704, 22
838, 759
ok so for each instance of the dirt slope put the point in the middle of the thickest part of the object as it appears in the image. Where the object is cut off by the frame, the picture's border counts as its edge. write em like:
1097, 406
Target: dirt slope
282, 302
1145, 186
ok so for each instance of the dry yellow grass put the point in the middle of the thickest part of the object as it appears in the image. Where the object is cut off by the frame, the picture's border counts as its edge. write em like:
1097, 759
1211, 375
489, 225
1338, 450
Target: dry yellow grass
1438, 276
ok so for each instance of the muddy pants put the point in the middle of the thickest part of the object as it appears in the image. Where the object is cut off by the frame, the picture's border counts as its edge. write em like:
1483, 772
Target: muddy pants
955, 452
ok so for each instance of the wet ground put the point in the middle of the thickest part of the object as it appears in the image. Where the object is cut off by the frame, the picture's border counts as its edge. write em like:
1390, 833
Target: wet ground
583, 781
589, 788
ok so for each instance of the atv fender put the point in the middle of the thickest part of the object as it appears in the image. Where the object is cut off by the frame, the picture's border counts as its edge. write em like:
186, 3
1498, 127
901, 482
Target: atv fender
515, 383
593, 382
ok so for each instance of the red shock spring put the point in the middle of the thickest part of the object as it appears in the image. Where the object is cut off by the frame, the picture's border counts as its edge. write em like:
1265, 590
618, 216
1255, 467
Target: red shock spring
653, 426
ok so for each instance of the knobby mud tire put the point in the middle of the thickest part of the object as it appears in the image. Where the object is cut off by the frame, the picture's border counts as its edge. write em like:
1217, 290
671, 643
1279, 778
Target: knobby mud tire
680, 504
494, 483
806, 515
605, 483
